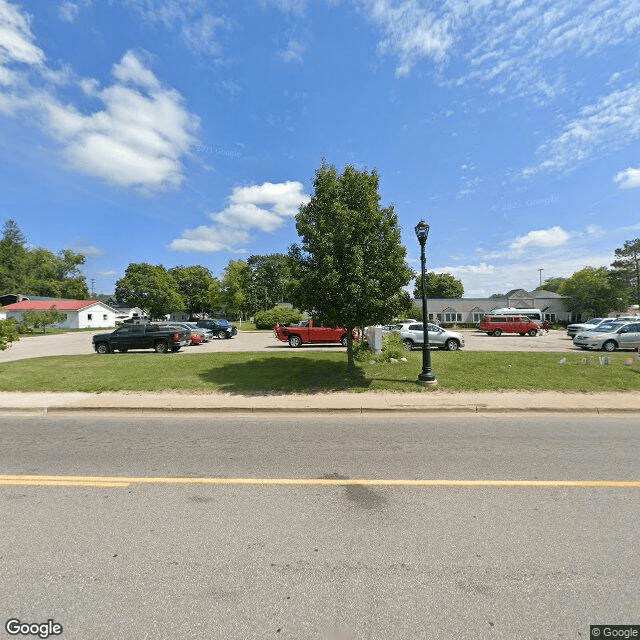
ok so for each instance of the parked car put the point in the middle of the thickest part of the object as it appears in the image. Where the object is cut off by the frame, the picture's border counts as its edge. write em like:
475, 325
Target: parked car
575, 329
595, 323
610, 336
412, 335
308, 332
140, 336
497, 325
207, 333
194, 333
221, 328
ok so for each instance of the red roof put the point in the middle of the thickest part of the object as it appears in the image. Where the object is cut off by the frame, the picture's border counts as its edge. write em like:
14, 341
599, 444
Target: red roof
45, 305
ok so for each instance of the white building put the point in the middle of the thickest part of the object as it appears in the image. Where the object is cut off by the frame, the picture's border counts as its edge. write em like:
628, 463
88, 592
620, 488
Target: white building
81, 314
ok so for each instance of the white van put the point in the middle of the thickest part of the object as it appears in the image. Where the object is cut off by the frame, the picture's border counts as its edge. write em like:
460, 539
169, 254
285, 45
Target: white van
534, 314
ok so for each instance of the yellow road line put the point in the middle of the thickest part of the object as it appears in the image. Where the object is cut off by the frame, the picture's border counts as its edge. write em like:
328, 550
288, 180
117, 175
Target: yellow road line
122, 482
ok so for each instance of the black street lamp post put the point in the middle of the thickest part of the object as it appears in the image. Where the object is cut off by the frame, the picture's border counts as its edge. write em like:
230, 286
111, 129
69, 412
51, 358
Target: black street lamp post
427, 377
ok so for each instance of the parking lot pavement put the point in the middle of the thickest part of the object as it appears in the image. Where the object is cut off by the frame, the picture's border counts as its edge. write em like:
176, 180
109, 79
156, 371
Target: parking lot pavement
79, 342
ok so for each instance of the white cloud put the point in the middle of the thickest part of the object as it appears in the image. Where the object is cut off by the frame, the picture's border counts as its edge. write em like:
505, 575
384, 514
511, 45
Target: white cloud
16, 39
294, 51
552, 237
628, 179
193, 19
210, 239
506, 45
137, 140
608, 124
265, 207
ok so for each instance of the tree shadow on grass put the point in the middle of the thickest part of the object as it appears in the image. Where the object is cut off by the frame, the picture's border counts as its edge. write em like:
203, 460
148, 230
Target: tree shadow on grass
286, 375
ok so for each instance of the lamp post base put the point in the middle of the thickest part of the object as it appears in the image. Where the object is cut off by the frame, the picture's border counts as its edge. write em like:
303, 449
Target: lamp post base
427, 380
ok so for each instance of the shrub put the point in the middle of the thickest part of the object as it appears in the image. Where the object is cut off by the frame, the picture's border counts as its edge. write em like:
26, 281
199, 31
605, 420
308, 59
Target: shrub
392, 347
8, 332
283, 315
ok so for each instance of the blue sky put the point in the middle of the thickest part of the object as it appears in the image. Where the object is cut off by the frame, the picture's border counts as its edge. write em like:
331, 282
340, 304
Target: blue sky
183, 132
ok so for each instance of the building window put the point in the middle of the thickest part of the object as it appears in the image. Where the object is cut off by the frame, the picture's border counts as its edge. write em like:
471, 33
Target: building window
477, 316
452, 317
89, 316
104, 317
551, 317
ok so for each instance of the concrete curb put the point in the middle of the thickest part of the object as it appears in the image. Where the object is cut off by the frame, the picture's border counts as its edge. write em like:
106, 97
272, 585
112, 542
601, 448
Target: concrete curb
210, 411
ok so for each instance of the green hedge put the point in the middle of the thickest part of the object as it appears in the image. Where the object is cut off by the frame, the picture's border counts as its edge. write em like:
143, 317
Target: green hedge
268, 319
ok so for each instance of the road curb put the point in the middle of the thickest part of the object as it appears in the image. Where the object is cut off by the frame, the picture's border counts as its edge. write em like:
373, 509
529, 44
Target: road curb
212, 411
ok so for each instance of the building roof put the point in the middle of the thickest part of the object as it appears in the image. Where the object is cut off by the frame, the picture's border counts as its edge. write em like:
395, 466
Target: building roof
45, 305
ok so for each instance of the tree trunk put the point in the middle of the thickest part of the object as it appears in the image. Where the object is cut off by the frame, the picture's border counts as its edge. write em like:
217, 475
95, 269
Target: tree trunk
351, 366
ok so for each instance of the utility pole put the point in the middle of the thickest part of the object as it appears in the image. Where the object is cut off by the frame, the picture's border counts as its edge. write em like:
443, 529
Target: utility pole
540, 270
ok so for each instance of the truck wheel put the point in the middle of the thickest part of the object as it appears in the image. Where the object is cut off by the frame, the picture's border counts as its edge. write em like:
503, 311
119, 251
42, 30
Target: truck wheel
451, 345
103, 347
343, 341
497, 333
295, 341
533, 332
222, 334
161, 346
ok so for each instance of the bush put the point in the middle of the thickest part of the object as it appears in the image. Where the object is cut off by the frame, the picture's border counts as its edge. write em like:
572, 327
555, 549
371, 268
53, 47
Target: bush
268, 319
8, 332
392, 347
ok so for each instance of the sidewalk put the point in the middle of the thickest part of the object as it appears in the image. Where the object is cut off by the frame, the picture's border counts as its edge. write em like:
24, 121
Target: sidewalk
326, 403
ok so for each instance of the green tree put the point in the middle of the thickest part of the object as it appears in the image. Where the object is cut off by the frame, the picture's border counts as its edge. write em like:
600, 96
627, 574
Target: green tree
39, 271
151, 288
43, 319
551, 284
236, 288
8, 332
12, 259
350, 269
439, 285
592, 291
194, 284
627, 267
48, 274
270, 280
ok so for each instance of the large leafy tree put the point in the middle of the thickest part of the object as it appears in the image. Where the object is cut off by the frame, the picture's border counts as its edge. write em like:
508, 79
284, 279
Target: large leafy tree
270, 280
593, 291
439, 285
39, 271
236, 288
150, 287
350, 269
195, 284
48, 274
12, 259
627, 267
551, 284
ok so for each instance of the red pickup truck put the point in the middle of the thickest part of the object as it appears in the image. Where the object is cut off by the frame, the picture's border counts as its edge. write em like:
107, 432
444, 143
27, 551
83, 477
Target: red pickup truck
308, 332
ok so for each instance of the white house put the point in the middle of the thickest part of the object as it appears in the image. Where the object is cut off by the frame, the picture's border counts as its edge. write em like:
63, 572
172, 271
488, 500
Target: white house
81, 314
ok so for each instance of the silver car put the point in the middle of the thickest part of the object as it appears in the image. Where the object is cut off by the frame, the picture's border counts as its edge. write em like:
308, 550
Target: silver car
595, 323
412, 336
610, 336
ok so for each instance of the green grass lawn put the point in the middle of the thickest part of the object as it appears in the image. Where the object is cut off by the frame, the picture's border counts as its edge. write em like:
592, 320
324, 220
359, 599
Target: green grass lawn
318, 371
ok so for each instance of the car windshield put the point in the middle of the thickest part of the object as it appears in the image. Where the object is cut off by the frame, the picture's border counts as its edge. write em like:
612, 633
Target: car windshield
608, 327
594, 321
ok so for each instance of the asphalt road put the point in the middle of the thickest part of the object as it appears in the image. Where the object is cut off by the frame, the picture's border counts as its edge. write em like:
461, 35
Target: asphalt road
316, 558
78, 343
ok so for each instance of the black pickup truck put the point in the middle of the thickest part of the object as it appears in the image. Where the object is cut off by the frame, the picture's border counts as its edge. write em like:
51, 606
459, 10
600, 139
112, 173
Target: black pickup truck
140, 336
